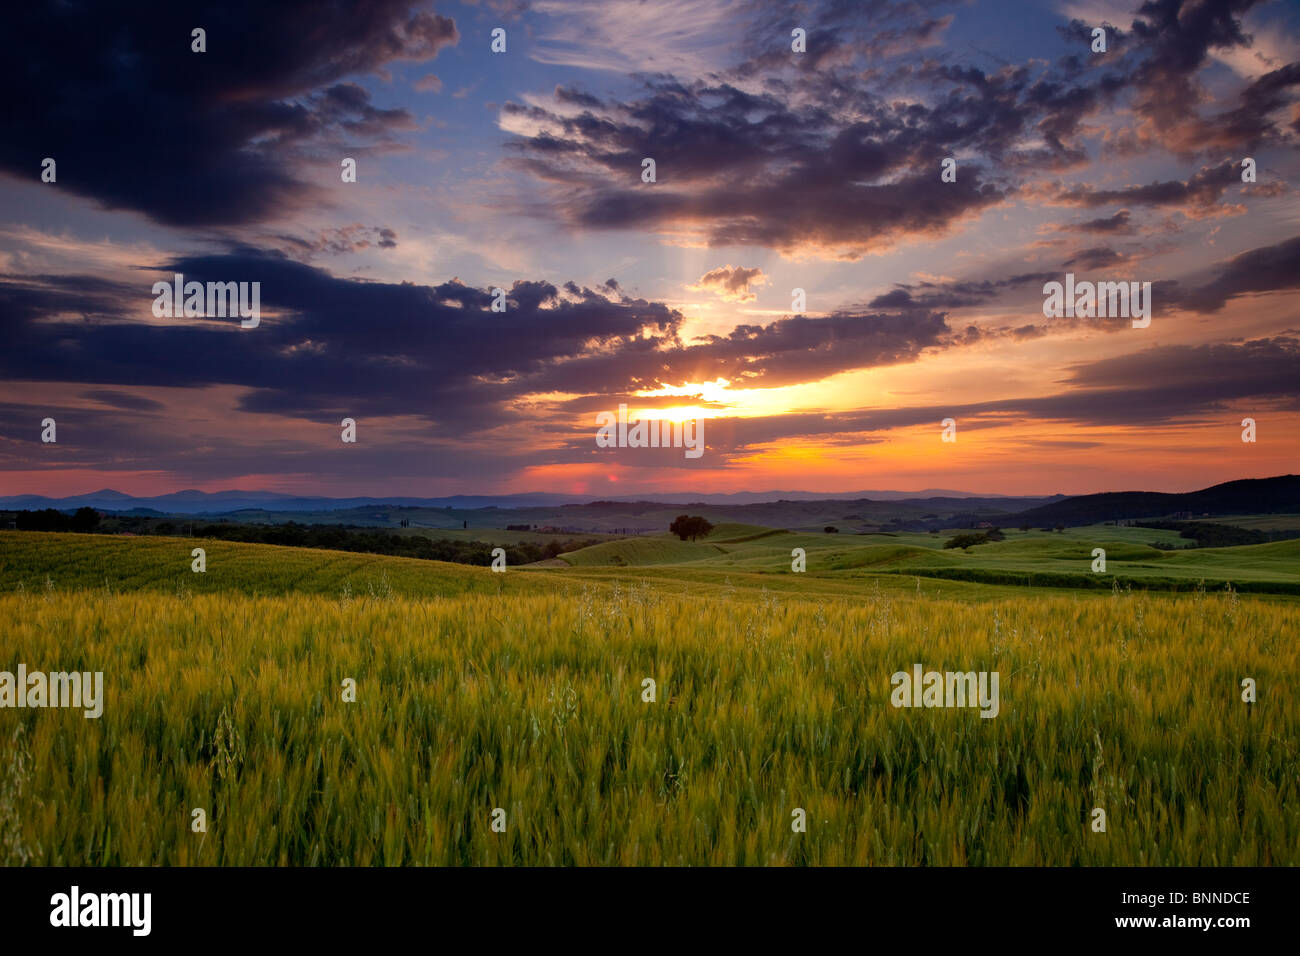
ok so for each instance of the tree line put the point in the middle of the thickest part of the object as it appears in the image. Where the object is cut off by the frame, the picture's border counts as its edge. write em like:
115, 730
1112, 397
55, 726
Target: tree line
292, 534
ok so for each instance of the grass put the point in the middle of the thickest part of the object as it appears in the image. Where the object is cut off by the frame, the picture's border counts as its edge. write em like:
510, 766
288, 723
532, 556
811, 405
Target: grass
77, 561
1280, 522
1025, 558
523, 691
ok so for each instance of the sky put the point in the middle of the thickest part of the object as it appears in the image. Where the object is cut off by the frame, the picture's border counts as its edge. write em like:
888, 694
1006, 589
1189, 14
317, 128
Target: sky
523, 170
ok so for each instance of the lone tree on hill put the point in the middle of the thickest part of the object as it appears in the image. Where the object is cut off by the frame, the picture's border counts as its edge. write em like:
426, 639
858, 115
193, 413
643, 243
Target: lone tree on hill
690, 526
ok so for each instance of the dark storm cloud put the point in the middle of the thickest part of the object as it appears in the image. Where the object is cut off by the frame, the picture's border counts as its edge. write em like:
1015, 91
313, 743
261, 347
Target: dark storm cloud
27, 298
326, 344
1176, 38
1265, 269
748, 168
137, 121
347, 107
434, 356
825, 154
330, 347
1167, 44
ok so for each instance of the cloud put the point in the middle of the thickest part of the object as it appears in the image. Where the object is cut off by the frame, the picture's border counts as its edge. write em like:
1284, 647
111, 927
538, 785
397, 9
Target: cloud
737, 168
957, 294
432, 368
1116, 224
1096, 257
1264, 269
1157, 386
803, 348
338, 241
1176, 39
1272, 268
135, 120
1258, 368
1197, 197
834, 152
733, 284
838, 34
428, 367
830, 154
628, 36
327, 344
124, 400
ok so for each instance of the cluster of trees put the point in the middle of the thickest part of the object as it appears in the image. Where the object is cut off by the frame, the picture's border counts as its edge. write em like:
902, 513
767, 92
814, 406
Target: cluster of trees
333, 537
83, 520
690, 526
342, 538
1206, 534
974, 538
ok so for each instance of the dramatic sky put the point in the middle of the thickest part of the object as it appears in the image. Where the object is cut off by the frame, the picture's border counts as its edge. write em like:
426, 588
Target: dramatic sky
775, 171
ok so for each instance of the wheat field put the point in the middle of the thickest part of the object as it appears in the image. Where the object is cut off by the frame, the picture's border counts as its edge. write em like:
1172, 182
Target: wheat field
765, 703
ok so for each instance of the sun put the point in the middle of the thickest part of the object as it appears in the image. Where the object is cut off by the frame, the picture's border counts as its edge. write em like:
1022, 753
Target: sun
715, 393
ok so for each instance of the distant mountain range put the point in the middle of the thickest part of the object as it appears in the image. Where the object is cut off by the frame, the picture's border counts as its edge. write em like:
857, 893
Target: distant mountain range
224, 502
774, 508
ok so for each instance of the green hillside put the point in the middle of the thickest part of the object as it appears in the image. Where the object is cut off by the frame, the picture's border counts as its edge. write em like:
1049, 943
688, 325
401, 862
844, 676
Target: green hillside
1024, 559
731, 557
635, 552
1264, 567
40, 561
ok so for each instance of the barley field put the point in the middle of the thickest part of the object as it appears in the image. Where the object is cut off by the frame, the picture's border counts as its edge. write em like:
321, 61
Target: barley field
765, 702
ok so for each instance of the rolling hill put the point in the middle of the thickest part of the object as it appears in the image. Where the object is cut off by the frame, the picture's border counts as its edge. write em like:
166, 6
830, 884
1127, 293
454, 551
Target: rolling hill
1280, 495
